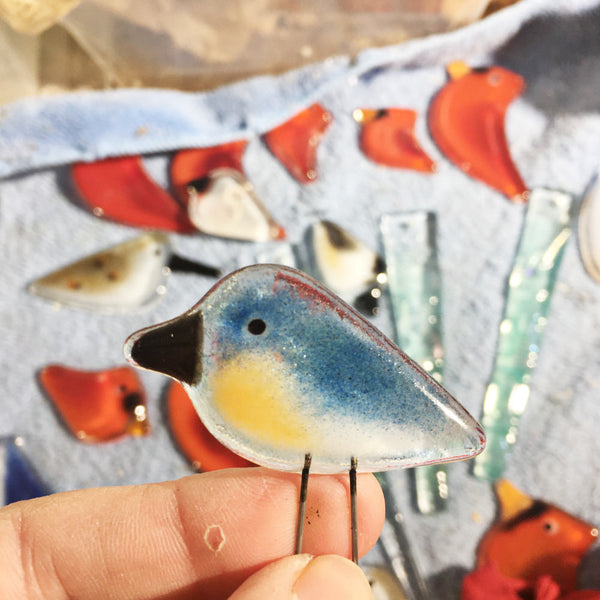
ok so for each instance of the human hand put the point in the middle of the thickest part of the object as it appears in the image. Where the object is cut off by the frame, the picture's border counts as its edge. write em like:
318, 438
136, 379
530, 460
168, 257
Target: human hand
198, 537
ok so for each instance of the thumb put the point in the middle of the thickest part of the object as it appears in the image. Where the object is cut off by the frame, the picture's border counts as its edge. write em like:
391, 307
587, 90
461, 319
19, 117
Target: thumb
305, 577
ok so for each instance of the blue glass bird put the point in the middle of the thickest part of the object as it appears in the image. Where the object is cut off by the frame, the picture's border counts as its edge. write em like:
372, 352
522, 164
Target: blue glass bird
287, 375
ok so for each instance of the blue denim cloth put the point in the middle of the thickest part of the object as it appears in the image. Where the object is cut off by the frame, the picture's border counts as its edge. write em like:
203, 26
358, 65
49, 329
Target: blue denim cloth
554, 136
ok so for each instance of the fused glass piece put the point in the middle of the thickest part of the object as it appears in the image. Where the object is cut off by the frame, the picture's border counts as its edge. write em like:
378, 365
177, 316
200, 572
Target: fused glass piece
545, 232
200, 447
127, 277
223, 203
294, 143
344, 264
119, 189
533, 539
18, 481
97, 406
414, 282
588, 227
278, 367
466, 121
387, 137
196, 163
123, 278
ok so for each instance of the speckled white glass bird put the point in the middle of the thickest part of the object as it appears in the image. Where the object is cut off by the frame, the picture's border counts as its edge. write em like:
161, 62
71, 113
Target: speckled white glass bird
287, 375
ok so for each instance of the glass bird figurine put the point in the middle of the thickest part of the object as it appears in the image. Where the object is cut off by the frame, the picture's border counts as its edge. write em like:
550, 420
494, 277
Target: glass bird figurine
284, 373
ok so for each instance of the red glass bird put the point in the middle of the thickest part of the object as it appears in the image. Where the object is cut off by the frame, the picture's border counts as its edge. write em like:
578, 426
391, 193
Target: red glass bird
387, 137
119, 189
295, 142
97, 406
466, 121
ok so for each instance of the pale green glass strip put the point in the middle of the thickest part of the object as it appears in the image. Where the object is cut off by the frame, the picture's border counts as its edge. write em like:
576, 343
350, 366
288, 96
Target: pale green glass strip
414, 282
545, 232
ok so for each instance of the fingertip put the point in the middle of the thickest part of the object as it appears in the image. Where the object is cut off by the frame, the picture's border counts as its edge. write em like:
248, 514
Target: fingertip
304, 577
331, 576
276, 580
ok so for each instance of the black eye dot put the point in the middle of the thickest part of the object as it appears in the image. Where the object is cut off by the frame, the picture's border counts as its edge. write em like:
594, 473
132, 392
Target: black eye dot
550, 526
257, 326
130, 401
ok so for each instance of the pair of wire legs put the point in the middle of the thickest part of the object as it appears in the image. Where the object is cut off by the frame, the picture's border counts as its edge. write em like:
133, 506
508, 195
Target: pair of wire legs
353, 509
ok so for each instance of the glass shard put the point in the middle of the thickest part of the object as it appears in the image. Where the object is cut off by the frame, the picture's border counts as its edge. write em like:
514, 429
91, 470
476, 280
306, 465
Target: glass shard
533, 539
295, 142
223, 203
123, 278
119, 189
316, 377
196, 163
387, 137
200, 447
18, 481
97, 406
545, 231
466, 121
409, 241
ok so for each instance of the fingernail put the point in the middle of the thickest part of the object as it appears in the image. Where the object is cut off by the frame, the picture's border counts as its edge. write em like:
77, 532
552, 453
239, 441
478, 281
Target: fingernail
332, 577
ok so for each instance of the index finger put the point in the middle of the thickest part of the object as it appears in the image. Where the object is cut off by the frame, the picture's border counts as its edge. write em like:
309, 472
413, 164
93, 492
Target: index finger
198, 536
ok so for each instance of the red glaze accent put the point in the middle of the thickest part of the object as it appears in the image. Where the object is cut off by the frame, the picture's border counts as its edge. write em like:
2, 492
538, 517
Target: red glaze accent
295, 142
97, 406
120, 189
539, 540
195, 163
387, 137
466, 120
195, 441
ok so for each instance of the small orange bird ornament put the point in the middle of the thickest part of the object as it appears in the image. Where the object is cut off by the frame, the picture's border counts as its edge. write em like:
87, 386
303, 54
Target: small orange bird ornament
533, 539
387, 137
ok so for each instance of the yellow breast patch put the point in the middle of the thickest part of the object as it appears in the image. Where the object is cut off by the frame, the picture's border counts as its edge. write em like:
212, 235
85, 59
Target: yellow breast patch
255, 395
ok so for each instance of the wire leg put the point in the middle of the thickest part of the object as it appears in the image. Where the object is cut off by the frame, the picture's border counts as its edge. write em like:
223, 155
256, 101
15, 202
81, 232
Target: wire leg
353, 510
302, 503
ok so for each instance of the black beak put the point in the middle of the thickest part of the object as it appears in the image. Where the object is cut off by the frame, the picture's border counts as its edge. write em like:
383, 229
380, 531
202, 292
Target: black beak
173, 348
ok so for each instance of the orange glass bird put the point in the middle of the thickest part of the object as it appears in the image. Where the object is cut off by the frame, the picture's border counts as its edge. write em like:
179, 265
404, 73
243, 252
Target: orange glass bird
533, 539
387, 137
466, 121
